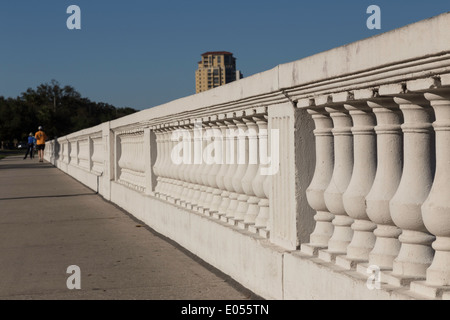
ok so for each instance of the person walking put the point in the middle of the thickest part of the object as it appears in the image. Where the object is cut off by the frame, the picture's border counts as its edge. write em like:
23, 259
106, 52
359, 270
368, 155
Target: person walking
41, 137
30, 148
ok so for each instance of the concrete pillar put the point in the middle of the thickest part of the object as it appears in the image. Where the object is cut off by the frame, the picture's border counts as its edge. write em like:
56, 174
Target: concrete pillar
261, 220
150, 154
291, 219
108, 160
90, 152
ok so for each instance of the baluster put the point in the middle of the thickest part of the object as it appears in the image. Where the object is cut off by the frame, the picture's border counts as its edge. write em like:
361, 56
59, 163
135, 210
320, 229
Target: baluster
363, 175
232, 169
203, 172
216, 175
188, 159
195, 147
165, 163
250, 175
387, 179
243, 156
415, 252
321, 179
228, 170
342, 172
198, 163
178, 168
212, 150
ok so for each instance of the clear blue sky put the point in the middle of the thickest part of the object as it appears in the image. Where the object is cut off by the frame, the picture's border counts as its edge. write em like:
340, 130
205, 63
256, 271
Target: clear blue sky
142, 53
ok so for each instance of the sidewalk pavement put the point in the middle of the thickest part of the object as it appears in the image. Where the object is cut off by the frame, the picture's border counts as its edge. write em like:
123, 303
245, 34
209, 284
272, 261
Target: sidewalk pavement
49, 221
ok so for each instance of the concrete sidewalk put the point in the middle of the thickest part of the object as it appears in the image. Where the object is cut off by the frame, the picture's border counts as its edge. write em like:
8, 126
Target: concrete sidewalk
49, 221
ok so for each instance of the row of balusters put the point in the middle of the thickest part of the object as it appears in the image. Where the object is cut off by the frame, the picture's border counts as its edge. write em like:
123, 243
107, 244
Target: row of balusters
231, 185
381, 187
79, 153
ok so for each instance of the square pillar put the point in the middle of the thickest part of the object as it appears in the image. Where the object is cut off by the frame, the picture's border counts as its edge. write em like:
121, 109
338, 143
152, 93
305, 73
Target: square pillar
150, 159
108, 160
291, 137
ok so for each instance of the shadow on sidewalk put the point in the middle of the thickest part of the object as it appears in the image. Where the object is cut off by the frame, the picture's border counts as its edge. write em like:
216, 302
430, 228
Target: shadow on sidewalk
55, 196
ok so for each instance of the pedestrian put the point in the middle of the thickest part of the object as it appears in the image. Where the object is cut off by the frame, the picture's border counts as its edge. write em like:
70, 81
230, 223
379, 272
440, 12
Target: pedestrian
41, 137
30, 145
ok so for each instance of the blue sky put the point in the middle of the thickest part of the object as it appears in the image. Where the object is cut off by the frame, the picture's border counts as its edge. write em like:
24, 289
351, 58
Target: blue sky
142, 53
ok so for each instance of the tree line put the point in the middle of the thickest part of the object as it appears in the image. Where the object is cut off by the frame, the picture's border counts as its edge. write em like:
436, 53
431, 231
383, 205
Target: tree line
59, 109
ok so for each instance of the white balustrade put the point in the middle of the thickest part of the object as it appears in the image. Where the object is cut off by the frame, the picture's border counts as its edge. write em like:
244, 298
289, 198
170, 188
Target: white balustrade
378, 195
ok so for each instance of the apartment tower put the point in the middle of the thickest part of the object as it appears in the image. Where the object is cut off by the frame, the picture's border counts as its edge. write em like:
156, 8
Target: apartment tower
215, 69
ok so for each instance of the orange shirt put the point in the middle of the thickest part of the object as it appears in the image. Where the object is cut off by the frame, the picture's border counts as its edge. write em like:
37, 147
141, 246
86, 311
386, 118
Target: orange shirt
40, 137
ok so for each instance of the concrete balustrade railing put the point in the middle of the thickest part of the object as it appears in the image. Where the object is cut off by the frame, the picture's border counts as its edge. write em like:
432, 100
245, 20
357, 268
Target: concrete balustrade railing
325, 178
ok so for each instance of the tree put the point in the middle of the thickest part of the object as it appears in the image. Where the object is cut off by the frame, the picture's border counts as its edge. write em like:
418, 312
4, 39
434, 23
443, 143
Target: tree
59, 109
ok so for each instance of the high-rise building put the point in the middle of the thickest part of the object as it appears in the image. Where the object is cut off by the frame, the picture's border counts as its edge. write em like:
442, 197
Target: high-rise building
215, 69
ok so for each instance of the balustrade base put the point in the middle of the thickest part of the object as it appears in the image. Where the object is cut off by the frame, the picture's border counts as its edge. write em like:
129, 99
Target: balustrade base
244, 225
329, 256
254, 229
216, 215
311, 249
398, 280
348, 263
433, 292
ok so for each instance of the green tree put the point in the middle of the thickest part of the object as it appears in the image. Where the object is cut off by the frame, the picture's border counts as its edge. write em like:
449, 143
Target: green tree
59, 109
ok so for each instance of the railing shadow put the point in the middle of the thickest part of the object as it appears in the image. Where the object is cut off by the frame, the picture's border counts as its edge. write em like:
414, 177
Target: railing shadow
50, 196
